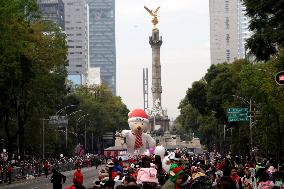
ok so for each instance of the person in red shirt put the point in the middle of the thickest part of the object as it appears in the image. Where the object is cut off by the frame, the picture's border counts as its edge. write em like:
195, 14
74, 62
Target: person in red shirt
9, 173
46, 167
78, 164
78, 177
235, 177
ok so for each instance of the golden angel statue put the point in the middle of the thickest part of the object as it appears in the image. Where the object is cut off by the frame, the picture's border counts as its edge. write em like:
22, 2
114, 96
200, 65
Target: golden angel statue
154, 15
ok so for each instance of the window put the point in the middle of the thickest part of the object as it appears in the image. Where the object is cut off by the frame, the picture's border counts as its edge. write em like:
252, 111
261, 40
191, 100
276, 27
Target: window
79, 34
226, 6
228, 55
69, 3
78, 46
78, 65
227, 23
228, 39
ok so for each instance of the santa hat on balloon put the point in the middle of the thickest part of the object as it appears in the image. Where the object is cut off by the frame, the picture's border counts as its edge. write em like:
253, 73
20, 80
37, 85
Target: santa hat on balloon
138, 115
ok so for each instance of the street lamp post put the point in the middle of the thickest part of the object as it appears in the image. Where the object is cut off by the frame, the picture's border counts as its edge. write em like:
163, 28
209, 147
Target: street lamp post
250, 115
43, 128
92, 142
59, 111
250, 123
85, 136
78, 120
66, 129
3, 144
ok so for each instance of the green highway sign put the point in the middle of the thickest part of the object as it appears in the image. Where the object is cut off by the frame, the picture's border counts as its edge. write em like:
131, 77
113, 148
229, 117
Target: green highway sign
237, 114
232, 119
237, 110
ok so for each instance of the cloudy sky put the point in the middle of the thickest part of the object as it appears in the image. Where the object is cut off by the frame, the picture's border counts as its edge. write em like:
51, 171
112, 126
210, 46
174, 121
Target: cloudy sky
185, 52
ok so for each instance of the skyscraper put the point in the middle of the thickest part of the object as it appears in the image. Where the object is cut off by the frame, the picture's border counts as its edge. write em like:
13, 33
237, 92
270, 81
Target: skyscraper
102, 40
76, 29
52, 10
228, 30
244, 32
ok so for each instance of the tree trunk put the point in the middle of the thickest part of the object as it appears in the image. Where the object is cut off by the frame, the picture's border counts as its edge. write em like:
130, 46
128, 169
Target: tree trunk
279, 154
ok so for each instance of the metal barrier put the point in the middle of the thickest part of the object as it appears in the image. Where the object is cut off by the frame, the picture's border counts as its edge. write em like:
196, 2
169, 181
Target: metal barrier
30, 171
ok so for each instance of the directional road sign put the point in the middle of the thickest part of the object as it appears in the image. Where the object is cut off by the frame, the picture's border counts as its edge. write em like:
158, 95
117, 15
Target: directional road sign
237, 110
232, 119
237, 114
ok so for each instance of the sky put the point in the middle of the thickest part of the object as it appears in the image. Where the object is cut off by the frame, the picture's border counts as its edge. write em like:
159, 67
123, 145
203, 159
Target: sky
185, 52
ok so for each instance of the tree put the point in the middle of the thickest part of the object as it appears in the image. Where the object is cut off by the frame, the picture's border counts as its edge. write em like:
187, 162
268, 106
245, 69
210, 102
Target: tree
32, 67
186, 122
106, 113
257, 81
267, 26
196, 96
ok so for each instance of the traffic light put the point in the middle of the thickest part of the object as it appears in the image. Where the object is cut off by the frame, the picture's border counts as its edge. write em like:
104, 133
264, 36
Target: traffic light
279, 78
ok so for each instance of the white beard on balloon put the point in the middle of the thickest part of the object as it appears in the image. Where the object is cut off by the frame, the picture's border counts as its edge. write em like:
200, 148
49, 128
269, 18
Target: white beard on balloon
137, 138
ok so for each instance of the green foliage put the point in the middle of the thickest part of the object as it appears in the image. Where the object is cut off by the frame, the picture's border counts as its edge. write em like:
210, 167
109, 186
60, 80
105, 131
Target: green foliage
32, 71
203, 109
104, 112
267, 25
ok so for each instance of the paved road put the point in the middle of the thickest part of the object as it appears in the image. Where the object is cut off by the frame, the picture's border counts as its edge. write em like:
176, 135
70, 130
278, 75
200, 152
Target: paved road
90, 174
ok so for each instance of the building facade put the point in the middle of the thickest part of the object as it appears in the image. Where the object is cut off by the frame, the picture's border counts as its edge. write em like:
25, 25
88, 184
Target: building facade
244, 32
102, 40
52, 10
228, 30
76, 29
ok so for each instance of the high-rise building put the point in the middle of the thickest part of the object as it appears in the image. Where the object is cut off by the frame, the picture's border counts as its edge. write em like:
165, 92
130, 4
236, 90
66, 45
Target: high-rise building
102, 40
228, 30
52, 10
76, 29
244, 32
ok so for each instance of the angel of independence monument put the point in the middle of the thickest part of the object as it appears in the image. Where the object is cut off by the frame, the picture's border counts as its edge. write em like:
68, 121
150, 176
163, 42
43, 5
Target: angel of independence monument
158, 116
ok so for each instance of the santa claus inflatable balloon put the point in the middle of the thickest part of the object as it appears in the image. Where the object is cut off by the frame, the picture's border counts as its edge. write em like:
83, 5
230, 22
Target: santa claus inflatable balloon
136, 137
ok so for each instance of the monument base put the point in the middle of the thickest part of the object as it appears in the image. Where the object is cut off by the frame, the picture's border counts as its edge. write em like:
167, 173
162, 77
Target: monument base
159, 122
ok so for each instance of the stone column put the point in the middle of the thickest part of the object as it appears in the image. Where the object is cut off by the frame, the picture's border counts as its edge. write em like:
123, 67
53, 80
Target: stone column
156, 41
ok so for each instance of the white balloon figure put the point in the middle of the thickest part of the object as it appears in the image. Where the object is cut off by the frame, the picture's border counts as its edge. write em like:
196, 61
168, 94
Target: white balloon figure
160, 150
136, 138
166, 163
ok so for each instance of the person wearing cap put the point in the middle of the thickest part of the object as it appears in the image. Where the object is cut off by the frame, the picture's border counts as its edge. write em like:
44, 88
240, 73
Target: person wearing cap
176, 177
